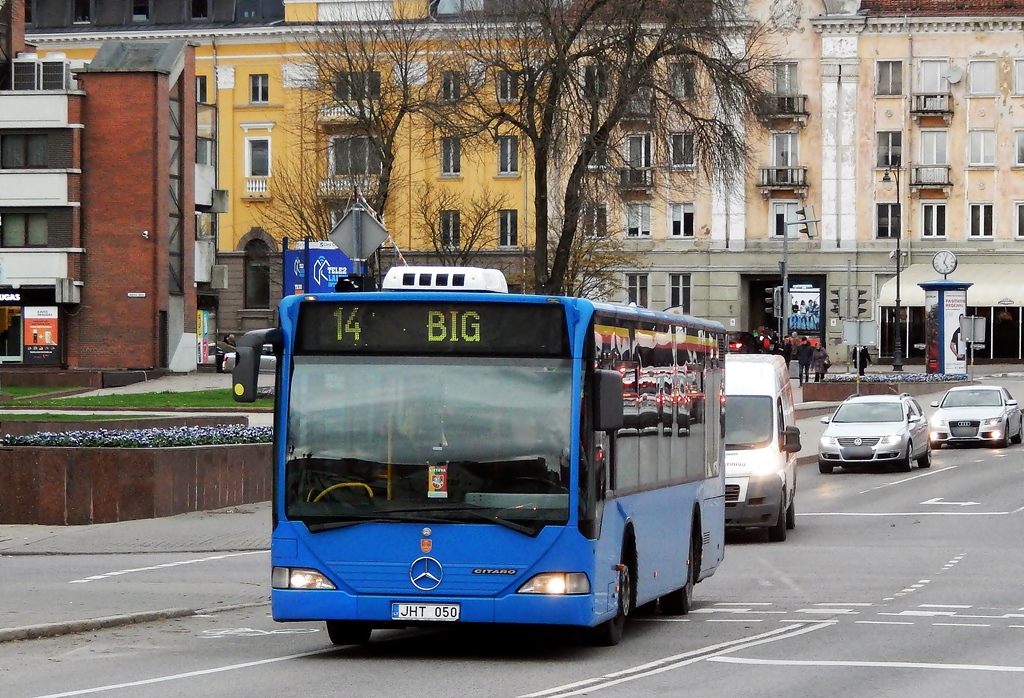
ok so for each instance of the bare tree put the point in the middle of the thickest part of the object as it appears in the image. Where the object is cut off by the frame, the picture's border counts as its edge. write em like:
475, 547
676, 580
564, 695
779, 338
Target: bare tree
458, 230
568, 75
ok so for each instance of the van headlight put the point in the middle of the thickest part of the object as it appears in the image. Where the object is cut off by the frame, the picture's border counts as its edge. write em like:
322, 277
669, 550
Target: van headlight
556, 584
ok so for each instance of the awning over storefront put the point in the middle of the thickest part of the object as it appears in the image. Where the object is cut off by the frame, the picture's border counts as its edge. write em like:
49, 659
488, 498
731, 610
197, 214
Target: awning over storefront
994, 285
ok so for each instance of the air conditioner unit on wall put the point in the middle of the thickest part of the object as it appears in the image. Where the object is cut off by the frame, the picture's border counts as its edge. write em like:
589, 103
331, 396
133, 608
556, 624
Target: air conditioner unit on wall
31, 74
219, 276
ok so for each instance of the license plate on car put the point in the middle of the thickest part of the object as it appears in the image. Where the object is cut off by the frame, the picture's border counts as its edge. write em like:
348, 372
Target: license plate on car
425, 611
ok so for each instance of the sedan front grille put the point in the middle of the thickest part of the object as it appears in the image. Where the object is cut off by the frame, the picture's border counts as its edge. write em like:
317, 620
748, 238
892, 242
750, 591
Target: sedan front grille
852, 440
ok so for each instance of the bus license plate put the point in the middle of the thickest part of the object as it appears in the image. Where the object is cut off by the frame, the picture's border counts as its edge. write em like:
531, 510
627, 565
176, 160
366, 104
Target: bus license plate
425, 611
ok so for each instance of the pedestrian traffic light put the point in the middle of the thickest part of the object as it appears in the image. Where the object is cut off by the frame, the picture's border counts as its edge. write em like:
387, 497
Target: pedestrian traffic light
834, 301
769, 301
862, 302
778, 301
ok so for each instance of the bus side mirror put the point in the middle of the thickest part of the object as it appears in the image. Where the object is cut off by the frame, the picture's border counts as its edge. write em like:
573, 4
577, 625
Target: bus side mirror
608, 404
246, 373
791, 440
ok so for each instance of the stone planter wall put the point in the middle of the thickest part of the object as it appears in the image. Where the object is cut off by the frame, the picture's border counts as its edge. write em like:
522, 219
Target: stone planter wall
21, 427
836, 391
62, 486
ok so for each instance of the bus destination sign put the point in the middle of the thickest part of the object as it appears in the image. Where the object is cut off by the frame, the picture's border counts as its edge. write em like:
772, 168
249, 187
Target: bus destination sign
431, 327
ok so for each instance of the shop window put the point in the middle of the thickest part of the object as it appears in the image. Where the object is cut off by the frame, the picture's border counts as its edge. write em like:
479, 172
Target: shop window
257, 274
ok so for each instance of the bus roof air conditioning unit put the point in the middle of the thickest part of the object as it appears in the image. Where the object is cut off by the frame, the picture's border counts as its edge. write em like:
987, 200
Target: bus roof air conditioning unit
445, 279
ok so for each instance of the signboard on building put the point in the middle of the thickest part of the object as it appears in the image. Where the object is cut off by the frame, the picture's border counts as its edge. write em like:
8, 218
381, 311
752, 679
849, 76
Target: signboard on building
325, 263
953, 345
40, 338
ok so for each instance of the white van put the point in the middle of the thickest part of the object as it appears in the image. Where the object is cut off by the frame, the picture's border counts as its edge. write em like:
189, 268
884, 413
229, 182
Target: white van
761, 442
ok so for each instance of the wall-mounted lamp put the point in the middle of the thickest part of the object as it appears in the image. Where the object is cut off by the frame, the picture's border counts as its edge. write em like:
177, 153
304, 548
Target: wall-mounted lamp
145, 234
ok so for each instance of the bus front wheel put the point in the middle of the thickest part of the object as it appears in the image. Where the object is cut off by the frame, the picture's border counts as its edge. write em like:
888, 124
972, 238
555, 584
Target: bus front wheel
609, 633
348, 632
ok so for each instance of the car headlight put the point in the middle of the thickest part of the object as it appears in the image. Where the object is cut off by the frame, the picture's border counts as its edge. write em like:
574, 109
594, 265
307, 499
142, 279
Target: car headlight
828, 441
299, 578
938, 421
890, 439
556, 584
991, 421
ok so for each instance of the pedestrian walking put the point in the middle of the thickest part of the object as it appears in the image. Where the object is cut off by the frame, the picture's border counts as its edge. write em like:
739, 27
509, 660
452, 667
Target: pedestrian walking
863, 359
804, 353
819, 363
787, 352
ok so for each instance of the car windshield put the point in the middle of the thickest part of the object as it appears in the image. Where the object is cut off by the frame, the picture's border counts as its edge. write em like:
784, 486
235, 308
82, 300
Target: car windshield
860, 412
972, 398
390, 440
748, 421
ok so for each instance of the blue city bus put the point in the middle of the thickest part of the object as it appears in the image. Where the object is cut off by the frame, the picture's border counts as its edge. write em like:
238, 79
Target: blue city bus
446, 455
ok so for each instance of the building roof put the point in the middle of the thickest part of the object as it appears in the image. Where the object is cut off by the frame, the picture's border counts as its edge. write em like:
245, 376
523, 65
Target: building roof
134, 57
942, 8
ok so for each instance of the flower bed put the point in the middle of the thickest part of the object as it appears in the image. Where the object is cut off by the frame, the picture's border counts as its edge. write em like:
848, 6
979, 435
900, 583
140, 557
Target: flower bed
838, 387
102, 476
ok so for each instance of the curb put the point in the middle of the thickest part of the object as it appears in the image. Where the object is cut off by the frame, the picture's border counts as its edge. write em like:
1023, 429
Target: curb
44, 630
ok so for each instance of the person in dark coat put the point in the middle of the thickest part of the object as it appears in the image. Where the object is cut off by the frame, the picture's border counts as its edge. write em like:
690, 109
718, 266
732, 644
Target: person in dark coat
819, 363
787, 351
863, 359
804, 354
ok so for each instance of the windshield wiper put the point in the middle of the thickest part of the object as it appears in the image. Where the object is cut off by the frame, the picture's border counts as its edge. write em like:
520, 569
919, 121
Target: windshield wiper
376, 518
469, 509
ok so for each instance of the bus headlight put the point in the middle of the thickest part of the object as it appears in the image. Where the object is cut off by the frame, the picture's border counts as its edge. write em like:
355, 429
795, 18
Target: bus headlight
299, 578
556, 584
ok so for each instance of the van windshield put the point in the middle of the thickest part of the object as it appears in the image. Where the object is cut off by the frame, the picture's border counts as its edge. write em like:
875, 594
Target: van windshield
748, 421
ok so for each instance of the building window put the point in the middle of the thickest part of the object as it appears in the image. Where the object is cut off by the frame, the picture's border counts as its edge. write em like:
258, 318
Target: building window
508, 228
679, 292
933, 220
201, 94
1018, 148
1020, 220
933, 148
638, 219
451, 227
257, 157
683, 156
681, 220
23, 229
140, 10
508, 155
508, 86
354, 155
595, 82
981, 78
595, 220
451, 156
890, 78
599, 160
451, 86
784, 213
888, 225
682, 77
982, 148
638, 150
23, 151
257, 274
30, 12
82, 11
981, 221
935, 77
636, 289
784, 149
890, 148
200, 9
356, 87
784, 79
259, 89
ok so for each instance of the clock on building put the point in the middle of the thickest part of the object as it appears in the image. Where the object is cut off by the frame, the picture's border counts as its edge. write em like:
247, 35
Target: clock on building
944, 262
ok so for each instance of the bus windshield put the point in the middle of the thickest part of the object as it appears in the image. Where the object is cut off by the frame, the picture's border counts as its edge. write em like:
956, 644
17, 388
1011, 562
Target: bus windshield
748, 421
431, 439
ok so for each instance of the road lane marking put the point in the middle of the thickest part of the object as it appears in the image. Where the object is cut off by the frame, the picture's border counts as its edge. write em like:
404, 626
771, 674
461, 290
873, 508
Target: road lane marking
906, 479
166, 565
964, 625
943, 605
187, 675
885, 622
904, 513
674, 662
868, 665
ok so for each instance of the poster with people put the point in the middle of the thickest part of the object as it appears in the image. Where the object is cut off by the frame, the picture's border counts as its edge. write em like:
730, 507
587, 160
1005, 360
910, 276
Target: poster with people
805, 312
954, 347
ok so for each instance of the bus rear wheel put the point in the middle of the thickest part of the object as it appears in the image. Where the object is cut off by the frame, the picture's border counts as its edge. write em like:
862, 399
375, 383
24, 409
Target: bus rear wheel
679, 602
348, 632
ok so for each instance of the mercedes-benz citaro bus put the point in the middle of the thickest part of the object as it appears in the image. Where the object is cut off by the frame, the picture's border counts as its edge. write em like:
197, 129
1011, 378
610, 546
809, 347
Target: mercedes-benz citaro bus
447, 452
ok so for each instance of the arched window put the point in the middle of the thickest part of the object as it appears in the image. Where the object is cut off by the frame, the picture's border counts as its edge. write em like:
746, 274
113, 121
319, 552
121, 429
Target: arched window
257, 274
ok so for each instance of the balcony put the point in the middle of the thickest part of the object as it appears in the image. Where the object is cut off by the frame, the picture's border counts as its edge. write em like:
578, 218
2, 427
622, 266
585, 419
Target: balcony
256, 188
343, 186
639, 109
930, 104
786, 107
792, 179
930, 177
343, 113
34, 187
636, 179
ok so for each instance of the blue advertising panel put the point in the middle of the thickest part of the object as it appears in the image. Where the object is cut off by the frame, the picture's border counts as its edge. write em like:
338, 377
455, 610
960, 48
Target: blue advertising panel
326, 265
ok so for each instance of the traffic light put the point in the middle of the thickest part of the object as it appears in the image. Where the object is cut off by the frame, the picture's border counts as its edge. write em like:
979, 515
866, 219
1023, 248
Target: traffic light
778, 301
801, 214
834, 301
862, 303
769, 301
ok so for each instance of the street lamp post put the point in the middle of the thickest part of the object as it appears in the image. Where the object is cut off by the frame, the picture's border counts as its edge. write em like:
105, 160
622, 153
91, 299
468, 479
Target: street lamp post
892, 176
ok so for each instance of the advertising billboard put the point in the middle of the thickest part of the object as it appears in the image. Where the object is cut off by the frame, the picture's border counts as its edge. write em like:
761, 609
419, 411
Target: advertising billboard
40, 335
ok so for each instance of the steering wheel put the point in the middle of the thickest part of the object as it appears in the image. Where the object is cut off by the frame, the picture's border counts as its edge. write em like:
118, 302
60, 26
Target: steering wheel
552, 487
369, 490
